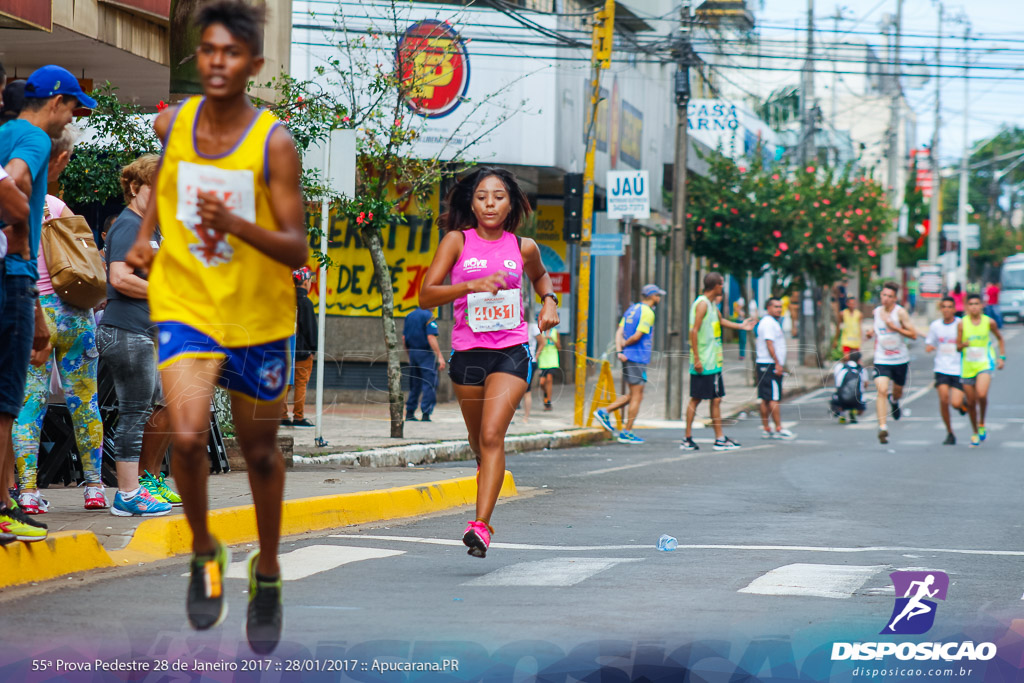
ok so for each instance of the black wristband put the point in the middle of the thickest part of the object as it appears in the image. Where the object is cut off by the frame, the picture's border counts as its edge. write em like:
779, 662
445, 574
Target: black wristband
553, 296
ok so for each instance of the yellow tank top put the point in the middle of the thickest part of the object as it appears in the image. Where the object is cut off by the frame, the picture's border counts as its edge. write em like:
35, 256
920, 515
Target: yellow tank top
217, 283
851, 329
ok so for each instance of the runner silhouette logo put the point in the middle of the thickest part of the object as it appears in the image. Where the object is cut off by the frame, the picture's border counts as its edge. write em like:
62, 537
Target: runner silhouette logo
914, 611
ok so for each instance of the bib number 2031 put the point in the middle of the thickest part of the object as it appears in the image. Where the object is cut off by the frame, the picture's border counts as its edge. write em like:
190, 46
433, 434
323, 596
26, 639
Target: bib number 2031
494, 312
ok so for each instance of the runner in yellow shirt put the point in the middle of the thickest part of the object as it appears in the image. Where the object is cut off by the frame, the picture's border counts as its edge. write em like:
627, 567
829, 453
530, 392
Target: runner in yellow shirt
221, 295
978, 362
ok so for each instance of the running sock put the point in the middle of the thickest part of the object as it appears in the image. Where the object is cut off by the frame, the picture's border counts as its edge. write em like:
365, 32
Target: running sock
260, 578
128, 495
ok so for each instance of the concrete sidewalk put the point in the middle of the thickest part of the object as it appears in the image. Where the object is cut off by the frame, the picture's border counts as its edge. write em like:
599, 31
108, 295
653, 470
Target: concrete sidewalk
362, 431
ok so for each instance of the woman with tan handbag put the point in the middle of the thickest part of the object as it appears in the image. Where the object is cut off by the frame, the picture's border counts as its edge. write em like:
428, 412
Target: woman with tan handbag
73, 331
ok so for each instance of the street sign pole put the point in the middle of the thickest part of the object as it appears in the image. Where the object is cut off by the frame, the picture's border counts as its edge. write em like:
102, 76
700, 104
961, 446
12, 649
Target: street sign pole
601, 55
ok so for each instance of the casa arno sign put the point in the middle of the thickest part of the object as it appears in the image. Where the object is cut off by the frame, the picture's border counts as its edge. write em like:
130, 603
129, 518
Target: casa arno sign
434, 66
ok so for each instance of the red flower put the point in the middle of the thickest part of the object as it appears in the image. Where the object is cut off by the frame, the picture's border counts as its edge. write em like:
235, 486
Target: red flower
807, 234
810, 169
734, 211
775, 176
360, 217
820, 245
782, 245
776, 234
161, 105
871, 253
796, 197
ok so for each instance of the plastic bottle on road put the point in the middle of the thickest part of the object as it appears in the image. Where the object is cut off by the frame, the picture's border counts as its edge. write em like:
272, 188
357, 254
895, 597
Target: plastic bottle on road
667, 542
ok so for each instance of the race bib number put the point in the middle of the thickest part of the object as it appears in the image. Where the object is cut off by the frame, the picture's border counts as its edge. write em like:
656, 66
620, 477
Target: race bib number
977, 354
891, 343
947, 349
236, 188
493, 312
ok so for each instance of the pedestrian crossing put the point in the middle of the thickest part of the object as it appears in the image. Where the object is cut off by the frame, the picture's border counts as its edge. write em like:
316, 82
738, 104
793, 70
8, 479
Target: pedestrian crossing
569, 567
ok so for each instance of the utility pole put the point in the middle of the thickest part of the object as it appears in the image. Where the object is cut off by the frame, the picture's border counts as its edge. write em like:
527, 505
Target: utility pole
601, 55
895, 156
806, 152
836, 18
934, 217
679, 288
962, 208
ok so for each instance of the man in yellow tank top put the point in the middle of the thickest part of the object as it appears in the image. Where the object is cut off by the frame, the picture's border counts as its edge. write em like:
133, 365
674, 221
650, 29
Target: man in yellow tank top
848, 328
978, 362
221, 294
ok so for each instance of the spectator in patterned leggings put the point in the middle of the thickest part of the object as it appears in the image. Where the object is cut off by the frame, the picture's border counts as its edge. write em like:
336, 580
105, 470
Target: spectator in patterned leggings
73, 334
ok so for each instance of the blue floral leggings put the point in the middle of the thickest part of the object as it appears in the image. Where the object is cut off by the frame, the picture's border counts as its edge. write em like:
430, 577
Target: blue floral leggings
73, 333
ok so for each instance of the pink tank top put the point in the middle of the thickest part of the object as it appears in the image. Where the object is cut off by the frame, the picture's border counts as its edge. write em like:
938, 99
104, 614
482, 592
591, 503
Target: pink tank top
43, 284
482, 320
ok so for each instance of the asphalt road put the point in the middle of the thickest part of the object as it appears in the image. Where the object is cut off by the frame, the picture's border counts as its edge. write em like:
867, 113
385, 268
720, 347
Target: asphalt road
785, 543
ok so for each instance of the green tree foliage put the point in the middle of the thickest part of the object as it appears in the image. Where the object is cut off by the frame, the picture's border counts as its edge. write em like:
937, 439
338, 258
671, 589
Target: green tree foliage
816, 223
120, 135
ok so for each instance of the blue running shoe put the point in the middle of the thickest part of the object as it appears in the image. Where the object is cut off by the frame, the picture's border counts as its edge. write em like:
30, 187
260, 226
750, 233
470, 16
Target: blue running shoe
629, 437
601, 415
142, 504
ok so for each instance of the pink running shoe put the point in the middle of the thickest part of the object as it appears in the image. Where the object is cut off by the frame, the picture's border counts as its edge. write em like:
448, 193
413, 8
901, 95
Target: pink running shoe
94, 498
477, 538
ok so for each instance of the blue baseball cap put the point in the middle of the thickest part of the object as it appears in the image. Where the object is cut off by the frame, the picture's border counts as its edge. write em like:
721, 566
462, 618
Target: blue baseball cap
50, 80
651, 290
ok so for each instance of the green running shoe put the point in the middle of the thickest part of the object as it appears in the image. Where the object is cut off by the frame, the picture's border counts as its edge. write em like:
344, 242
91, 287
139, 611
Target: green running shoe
265, 617
159, 489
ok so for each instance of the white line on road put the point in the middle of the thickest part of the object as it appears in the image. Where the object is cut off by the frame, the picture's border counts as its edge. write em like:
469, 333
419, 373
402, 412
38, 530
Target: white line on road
678, 458
814, 580
754, 548
553, 572
807, 398
505, 546
313, 559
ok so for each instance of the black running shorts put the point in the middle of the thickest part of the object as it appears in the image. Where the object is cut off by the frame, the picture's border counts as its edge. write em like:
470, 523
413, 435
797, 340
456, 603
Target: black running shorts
471, 367
952, 381
897, 373
707, 386
769, 385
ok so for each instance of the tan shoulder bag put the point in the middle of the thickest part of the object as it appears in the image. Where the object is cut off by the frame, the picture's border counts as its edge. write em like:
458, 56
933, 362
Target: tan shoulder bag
74, 262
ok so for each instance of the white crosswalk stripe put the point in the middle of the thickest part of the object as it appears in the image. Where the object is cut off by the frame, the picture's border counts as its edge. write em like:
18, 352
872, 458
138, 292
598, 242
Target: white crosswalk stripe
560, 571
813, 580
314, 559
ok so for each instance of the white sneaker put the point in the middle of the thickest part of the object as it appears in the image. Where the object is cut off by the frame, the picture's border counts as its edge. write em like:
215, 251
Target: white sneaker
784, 435
765, 434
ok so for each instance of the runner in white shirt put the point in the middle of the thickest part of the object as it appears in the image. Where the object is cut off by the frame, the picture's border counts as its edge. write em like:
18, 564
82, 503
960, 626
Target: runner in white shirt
891, 330
942, 338
771, 359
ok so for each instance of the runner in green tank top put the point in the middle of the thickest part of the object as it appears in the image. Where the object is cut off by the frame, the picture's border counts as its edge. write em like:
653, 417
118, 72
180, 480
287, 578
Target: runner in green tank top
706, 361
978, 362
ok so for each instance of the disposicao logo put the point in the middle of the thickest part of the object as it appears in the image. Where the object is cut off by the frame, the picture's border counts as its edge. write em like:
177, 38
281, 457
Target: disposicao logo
914, 614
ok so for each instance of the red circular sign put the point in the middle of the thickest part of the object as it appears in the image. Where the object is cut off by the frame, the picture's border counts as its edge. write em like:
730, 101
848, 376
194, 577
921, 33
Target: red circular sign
434, 67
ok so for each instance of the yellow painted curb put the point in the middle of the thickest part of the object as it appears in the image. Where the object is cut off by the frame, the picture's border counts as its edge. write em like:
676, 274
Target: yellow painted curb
169, 536
63, 552
66, 552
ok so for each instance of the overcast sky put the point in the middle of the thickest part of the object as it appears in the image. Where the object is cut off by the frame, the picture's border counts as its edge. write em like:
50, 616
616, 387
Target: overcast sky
998, 22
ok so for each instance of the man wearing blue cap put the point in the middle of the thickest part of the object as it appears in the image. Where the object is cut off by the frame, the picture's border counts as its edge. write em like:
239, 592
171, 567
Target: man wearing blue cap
633, 342
51, 96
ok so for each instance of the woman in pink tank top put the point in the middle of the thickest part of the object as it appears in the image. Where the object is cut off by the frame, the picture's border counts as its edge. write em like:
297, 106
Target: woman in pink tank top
490, 364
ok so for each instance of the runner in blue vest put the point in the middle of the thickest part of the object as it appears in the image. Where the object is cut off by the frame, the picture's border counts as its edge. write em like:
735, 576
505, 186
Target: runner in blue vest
633, 342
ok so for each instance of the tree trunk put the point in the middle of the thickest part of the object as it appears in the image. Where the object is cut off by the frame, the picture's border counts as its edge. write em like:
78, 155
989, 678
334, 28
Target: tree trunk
824, 326
372, 240
748, 293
